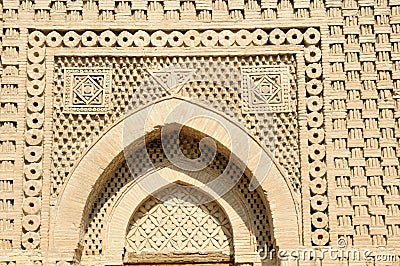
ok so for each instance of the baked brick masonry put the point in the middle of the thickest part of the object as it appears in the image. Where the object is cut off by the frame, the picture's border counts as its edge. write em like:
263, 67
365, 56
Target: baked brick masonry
290, 107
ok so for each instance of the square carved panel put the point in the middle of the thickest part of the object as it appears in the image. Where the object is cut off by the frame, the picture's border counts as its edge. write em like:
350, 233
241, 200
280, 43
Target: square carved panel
267, 88
87, 90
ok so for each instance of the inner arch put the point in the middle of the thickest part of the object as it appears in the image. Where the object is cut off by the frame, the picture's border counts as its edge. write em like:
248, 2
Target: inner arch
256, 218
174, 222
100, 159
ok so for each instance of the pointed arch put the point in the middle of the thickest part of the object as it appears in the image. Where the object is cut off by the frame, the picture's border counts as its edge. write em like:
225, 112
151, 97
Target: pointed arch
107, 152
132, 197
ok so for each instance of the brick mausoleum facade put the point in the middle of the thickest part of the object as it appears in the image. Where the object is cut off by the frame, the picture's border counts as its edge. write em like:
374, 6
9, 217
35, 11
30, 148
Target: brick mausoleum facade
289, 110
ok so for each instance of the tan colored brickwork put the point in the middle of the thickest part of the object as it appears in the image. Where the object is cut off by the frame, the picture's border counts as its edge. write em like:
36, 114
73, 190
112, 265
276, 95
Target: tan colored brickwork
310, 85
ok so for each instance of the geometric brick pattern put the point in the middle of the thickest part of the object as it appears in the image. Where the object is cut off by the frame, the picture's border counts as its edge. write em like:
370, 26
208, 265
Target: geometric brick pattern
87, 90
363, 86
93, 240
267, 88
127, 78
337, 125
178, 223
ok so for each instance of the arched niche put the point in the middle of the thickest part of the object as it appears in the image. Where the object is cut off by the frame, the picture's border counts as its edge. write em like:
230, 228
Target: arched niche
132, 197
91, 172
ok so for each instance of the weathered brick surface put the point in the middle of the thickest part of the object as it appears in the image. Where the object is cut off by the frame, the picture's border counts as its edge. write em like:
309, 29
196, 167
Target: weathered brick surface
300, 95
